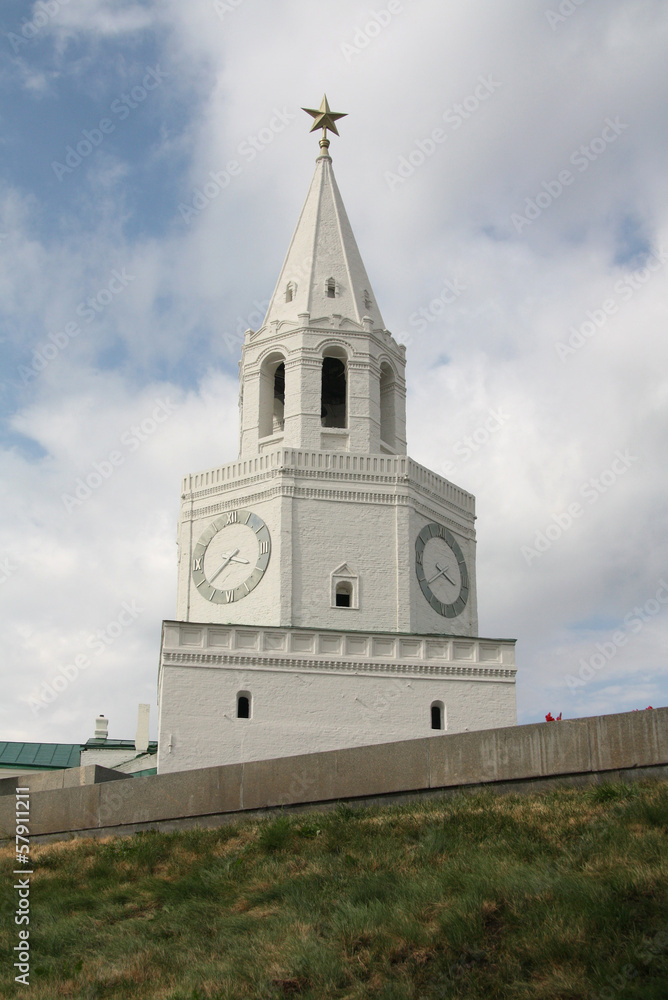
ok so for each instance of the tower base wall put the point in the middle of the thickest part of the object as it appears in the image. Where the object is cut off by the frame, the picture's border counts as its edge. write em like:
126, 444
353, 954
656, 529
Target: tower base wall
313, 690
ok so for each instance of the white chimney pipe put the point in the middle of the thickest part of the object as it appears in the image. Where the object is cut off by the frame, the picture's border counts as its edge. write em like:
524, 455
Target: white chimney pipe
101, 727
141, 739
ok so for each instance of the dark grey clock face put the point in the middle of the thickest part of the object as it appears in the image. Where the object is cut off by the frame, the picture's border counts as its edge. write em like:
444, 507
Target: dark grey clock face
441, 570
231, 556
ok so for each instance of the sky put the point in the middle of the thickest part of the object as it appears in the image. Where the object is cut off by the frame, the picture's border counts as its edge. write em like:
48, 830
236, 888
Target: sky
504, 170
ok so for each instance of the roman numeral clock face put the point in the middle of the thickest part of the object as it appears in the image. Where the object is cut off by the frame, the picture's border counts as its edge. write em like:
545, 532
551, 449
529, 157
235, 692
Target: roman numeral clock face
441, 570
231, 556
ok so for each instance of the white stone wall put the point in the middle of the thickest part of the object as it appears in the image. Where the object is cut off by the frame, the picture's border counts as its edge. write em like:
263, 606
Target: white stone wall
107, 758
365, 511
314, 691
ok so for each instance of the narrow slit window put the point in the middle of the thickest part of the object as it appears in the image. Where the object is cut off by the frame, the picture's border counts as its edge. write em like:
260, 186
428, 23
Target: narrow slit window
278, 421
387, 406
437, 715
290, 291
243, 706
331, 288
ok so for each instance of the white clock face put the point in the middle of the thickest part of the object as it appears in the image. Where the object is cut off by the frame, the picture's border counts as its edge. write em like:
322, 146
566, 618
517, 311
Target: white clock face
231, 556
441, 570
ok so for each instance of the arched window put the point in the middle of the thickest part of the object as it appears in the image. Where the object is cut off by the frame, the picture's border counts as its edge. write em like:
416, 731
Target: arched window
437, 715
333, 397
243, 705
272, 396
345, 591
279, 399
387, 407
290, 291
330, 286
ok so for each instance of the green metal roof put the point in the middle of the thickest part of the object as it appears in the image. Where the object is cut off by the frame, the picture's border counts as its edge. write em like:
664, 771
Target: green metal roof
41, 756
54, 756
107, 744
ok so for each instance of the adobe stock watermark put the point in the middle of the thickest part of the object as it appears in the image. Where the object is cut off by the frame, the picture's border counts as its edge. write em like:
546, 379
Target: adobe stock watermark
564, 10
634, 622
224, 7
248, 149
43, 12
376, 21
381, 701
87, 310
98, 642
454, 117
234, 341
582, 158
598, 317
433, 311
131, 441
254, 320
645, 955
121, 107
22, 885
467, 446
7, 568
592, 491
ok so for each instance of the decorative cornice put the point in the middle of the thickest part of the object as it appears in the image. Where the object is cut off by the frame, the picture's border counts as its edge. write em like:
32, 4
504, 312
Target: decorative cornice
283, 489
261, 662
341, 466
302, 360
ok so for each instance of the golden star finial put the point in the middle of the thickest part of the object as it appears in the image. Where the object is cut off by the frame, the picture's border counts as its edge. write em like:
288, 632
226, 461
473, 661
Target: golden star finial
325, 118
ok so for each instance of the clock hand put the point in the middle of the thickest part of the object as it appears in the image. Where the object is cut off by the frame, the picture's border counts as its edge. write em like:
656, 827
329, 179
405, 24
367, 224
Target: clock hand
441, 572
446, 576
228, 560
245, 561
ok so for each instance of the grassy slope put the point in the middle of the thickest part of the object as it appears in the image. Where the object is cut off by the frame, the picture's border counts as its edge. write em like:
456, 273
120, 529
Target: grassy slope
473, 896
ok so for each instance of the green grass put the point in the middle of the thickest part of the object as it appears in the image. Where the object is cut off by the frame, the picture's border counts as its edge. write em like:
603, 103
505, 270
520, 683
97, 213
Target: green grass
561, 895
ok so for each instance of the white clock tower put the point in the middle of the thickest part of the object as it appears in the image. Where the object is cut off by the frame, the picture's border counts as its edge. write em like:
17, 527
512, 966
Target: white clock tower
326, 582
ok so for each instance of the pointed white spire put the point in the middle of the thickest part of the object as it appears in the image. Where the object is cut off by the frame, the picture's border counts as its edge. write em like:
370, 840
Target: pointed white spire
323, 273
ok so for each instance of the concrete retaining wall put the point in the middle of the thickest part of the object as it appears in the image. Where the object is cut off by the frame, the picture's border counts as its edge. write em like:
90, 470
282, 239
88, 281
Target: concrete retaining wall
521, 754
48, 781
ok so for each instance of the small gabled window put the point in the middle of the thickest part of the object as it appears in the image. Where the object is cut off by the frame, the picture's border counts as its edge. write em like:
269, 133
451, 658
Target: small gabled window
330, 286
345, 588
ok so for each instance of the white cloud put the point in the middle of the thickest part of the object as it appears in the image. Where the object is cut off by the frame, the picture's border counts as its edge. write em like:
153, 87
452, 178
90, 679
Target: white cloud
194, 287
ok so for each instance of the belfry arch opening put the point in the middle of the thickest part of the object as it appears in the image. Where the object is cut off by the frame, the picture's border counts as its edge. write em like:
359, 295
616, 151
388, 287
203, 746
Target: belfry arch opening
272, 396
334, 391
388, 414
